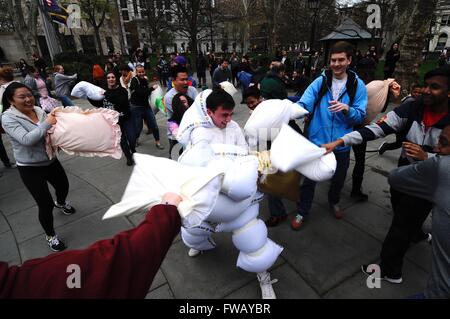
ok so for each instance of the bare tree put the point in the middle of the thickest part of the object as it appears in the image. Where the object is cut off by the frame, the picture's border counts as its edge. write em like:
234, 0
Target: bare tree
156, 20
95, 12
271, 10
414, 22
190, 20
25, 28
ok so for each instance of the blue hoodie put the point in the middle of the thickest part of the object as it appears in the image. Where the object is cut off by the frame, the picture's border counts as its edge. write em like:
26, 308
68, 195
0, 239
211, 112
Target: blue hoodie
326, 127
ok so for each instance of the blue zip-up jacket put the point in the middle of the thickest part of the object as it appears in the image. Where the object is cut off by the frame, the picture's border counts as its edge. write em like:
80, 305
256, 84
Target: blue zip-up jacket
326, 127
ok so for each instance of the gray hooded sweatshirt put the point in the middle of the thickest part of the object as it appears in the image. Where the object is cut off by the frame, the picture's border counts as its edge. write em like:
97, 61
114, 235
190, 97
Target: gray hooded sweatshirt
27, 137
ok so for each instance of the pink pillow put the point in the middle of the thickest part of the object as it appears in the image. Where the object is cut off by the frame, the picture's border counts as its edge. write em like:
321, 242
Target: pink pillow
93, 132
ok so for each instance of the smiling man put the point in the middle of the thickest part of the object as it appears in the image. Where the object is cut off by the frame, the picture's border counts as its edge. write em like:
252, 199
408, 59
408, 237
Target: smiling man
336, 102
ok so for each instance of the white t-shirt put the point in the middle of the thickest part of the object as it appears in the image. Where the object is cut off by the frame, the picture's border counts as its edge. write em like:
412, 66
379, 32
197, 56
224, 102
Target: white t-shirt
337, 87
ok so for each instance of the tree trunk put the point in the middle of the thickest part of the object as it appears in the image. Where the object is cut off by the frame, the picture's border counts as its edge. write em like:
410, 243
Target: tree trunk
25, 31
413, 42
98, 40
194, 51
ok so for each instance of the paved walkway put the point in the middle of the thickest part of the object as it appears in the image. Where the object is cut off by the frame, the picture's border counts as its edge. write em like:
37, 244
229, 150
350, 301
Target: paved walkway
322, 260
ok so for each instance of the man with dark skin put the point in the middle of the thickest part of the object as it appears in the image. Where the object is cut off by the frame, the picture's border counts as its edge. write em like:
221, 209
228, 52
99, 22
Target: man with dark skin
421, 122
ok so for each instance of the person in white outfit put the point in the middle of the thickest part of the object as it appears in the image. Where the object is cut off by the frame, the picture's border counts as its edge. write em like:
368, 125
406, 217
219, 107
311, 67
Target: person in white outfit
210, 122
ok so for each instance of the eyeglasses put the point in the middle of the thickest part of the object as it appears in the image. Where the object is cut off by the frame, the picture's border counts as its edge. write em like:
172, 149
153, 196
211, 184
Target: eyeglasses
23, 97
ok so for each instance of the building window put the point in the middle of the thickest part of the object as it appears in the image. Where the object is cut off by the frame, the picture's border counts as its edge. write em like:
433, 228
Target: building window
125, 15
135, 8
445, 20
88, 44
442, 42
123, 4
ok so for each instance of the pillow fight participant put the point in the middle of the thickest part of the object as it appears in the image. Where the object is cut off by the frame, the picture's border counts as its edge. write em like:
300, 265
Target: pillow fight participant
117, 268
62, 85
140, 107
180, 85
116, 98
420, 122
180, 104
26, 125
332, 113
430, 180
207, 122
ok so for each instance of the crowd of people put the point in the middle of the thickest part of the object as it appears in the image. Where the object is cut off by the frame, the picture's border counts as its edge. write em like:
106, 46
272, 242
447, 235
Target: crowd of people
336, 99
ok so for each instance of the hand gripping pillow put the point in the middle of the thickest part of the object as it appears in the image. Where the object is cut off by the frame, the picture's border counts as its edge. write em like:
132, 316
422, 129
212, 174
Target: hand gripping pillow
240, 180
155, 96
261, 260
251, 213
89, 133
291, 150
251, 237
267, 119
152, 177
319, 170
84, 90
377, 94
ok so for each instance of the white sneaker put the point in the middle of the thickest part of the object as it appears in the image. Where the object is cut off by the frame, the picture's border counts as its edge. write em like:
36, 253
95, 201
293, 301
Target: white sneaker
266, 285
429, 238
194, 252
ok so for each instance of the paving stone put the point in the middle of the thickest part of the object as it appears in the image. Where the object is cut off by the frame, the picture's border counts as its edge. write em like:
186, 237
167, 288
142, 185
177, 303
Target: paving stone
162, 292
158, 281
210, 275
9, 252
77, 235
85, 200
355, 287
290, 285
4, 226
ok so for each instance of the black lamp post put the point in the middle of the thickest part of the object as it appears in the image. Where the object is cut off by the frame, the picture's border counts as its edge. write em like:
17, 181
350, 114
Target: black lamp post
314, 6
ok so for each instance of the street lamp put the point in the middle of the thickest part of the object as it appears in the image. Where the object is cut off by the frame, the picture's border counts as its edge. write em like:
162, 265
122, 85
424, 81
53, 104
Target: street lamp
314, 6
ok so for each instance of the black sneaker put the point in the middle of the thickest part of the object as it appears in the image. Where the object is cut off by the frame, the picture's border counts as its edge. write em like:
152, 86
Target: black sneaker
55, 243
66, 209
130, 161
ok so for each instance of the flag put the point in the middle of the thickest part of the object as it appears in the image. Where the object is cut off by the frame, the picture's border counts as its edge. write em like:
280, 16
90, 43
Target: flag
57, 13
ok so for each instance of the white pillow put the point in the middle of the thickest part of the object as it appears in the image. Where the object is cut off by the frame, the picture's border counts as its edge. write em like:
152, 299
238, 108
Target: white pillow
250, 213
261, 260
198, 155
152, 177
85, 90
290, 150
240, 180
267, 119
157, 93
197, 242
251, 237
319, 170
227, 210
228, 87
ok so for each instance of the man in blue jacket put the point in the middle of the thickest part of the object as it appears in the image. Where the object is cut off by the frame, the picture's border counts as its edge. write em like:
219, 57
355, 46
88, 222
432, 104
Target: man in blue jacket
336, 101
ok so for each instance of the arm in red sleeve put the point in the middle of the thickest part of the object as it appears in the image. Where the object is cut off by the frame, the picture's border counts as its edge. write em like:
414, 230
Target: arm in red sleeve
121, 267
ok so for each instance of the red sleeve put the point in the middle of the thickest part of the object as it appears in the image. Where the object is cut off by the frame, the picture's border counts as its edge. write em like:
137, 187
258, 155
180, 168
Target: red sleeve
121, 267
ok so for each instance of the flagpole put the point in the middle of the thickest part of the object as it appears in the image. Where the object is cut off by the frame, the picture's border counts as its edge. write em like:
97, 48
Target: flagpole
49, 32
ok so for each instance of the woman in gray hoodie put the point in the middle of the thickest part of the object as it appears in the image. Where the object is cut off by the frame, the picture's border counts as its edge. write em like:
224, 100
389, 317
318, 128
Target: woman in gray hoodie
27, 125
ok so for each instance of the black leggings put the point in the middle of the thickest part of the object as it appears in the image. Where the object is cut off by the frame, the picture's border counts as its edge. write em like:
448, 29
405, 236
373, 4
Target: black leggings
35, 179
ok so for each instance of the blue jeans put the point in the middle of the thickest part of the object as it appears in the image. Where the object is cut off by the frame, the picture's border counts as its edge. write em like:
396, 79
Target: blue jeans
139, 113
66, 101
128, 138
337, 183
